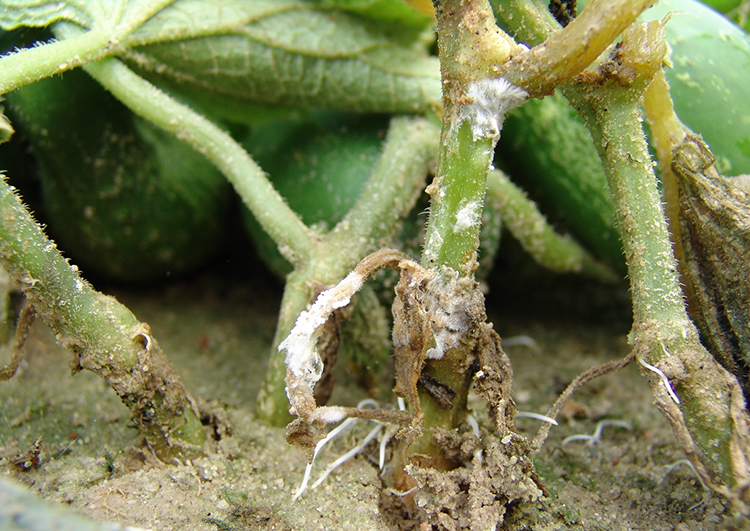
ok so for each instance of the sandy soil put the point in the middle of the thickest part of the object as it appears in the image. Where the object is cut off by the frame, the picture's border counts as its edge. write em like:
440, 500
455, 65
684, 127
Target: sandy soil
217, 333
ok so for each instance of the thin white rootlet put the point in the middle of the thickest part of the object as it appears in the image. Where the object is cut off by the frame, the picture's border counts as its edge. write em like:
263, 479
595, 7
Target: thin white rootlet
491, 99
597, 435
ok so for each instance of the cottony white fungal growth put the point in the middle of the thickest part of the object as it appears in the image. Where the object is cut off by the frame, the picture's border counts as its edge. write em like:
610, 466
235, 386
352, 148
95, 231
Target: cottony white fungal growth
491, 99
303, 362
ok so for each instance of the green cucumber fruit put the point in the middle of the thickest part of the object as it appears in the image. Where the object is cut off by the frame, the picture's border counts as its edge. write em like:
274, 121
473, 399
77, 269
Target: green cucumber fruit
321, 166
548, 151
723, 6
125, 200
710, 79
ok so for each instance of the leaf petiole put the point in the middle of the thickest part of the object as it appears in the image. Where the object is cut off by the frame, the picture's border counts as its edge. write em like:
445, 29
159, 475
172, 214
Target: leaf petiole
286, 228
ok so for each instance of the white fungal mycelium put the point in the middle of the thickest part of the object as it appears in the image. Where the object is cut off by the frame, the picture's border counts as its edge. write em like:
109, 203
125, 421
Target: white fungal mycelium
468, 216
304, 366
491, 99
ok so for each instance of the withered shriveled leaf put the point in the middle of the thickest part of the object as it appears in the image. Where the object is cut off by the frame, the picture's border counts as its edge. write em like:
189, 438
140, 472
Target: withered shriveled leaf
715, 233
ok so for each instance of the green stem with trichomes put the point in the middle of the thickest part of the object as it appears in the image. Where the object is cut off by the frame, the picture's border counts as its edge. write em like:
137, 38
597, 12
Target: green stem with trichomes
696, 395
294, 239
107, 37
709, 419
528, 225
471, 48
105, 337
452, 236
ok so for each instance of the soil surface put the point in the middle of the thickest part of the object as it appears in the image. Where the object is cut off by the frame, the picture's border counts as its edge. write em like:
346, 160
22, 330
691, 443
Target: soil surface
70, 440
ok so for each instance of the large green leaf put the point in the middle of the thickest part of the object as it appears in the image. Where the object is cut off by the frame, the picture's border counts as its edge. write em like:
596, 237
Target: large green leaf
286, 53
40, 13
295, 53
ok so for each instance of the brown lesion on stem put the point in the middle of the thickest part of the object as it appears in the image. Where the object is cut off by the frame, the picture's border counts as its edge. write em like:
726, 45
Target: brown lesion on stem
104, 336
23, 327
160, 405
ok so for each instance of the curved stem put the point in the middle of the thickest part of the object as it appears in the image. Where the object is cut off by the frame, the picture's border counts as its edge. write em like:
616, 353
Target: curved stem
567, 52
79, 48
104, 335
391, 192
523, 219
32, 64
292, 236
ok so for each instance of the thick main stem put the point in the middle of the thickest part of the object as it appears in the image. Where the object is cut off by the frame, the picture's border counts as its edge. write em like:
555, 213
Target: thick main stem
471, 48
708, 420
458, 192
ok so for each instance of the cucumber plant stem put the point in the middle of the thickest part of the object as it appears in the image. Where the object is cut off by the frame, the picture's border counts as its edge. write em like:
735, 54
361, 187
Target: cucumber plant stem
109, 30
105, 337
470, 47
294, 238
528, 225
710, 420
452, 236
32, 64
707, 416
566, 52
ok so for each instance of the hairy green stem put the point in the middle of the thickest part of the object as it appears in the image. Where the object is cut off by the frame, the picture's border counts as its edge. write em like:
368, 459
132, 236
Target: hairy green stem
105, 337
706, 417
390, 193
528, 21
32, 64
523, 219
709, 421
110, 30
614, 117
452, 236
471, 48
294, 239
458, 192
